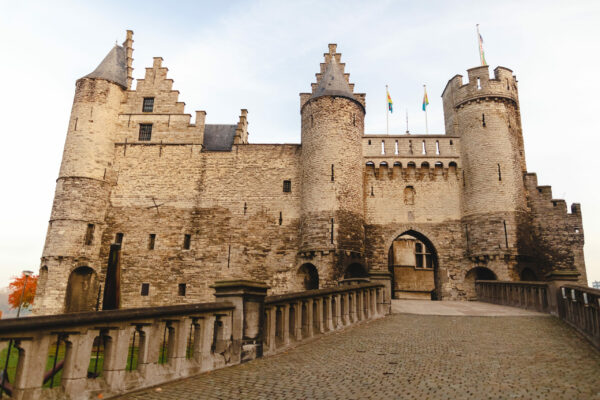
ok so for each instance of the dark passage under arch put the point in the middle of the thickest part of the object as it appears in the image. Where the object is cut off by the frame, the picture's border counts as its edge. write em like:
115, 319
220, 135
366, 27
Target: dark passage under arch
309, 276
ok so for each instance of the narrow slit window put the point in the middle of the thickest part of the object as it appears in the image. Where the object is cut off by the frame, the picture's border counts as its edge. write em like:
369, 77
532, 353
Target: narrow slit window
331, 230
437, 147
483, 120
332, 174
145, 289
369, 141
145, 132
148, 105
151, 241
499, 173
383, 147
478, 84
119, 238
287, 186
280, 217
410, 148
396, 148
424, 148
187, 241
89, 235
181, 289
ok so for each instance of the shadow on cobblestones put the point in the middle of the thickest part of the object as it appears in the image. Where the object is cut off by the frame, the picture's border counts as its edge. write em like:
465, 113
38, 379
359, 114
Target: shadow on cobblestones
415, 357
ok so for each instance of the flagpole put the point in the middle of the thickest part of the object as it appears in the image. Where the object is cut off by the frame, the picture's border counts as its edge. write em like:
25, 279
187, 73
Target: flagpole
387, 112
426, 126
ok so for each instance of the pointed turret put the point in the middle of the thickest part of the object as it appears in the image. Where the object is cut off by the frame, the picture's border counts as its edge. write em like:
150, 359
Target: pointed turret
113, 68
333, 82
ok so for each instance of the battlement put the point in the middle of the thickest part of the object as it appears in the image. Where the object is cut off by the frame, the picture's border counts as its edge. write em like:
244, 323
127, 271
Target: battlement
411, 170
480, 87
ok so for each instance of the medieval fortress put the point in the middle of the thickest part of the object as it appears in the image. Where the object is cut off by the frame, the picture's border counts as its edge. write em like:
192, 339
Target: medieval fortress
151, 209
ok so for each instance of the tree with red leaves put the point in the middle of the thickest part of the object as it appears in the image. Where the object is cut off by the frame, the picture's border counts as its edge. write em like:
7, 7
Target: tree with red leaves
15, 288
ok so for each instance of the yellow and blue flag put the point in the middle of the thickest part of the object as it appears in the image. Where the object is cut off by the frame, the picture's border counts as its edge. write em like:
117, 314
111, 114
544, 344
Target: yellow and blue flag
425, 100
389, 101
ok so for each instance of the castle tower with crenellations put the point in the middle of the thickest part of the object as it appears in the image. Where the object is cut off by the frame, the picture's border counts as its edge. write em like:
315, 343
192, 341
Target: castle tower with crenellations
152, 207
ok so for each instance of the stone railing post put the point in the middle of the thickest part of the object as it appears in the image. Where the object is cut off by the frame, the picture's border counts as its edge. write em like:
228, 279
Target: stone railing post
346, 311
328, 308
556, 280
352, 307
286, 324
338, 310
309, 318
30, 370
115, 356
248, 297
77, 360
385, 300
271, 328
319, 316
298, 323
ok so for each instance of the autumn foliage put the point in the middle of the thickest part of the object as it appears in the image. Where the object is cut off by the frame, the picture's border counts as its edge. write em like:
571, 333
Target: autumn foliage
15, 288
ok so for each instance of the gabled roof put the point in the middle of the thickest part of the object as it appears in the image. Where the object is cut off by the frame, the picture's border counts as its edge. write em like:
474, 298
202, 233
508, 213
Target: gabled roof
333, 82
219, 137
113, 68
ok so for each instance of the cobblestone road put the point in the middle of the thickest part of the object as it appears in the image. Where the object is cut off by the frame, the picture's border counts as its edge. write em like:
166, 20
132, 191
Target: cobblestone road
414, 357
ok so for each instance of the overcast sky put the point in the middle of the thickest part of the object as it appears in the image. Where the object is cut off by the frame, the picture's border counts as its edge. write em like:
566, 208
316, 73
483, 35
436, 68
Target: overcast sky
225, 56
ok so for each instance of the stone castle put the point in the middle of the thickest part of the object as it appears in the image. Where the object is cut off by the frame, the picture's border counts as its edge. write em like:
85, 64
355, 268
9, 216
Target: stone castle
151, 209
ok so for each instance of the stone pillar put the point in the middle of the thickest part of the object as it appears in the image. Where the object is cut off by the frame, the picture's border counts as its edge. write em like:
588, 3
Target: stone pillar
198, 336
271, 327
555, 280
298, 324
352, 307
248, 297
319, 316
338, 318
359, 305
286, 324
77, 360
367, 303
206, 360
116, 349
30, 370
346, 311
385, 278
329, 321
309, 318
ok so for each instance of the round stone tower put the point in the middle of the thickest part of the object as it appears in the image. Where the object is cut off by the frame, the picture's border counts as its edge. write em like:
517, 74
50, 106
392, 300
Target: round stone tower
332, 229
70, 262
485, 113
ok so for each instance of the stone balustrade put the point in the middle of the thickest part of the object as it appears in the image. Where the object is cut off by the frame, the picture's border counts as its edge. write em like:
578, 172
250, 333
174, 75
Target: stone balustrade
580, 307
102, 354
294, 317
527, 295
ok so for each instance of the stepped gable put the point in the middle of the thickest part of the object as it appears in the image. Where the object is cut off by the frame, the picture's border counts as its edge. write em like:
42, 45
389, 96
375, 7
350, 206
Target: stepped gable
113, 68
218, 137
333, 82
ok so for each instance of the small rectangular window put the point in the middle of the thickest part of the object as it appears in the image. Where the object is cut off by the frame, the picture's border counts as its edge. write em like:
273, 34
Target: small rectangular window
148, 105
119, 238
187, 240
151, 241
145, 132
181, 289
89, 235
145, 289
287, 186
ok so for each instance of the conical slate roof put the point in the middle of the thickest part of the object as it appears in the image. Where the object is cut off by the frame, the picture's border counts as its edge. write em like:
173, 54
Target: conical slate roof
333, 82
113, 68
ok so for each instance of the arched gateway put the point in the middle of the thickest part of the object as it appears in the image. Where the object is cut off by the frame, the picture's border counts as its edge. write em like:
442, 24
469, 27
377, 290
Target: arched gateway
413, 263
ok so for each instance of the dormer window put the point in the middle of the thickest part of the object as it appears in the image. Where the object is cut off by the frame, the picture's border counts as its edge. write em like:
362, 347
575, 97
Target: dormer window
148, 105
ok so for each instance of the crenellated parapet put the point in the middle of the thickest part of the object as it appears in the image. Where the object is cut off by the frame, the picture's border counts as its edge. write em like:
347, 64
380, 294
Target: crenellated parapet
479, 86
558, 232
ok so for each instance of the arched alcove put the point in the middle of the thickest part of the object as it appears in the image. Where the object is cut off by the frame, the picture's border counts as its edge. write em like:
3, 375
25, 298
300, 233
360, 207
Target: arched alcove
477, 274
355, 270
309, 276
528, 275
81, 294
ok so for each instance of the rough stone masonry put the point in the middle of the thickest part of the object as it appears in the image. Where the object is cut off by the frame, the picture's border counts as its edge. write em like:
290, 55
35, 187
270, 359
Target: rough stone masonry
151, 208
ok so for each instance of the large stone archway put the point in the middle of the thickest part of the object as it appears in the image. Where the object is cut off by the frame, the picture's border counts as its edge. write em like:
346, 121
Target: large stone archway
413, 263
308, 275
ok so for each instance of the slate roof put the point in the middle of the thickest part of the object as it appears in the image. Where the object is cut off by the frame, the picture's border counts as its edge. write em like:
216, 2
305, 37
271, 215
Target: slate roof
333, 82
113, 68
219, 137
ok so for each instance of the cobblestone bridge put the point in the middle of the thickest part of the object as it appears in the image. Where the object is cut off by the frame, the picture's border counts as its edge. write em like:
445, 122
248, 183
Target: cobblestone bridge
470, 352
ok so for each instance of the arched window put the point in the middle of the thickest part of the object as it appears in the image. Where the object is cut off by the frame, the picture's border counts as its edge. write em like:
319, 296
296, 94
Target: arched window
409, 195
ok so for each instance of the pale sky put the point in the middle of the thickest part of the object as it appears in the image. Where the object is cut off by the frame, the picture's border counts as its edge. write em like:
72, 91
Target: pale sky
225, 56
